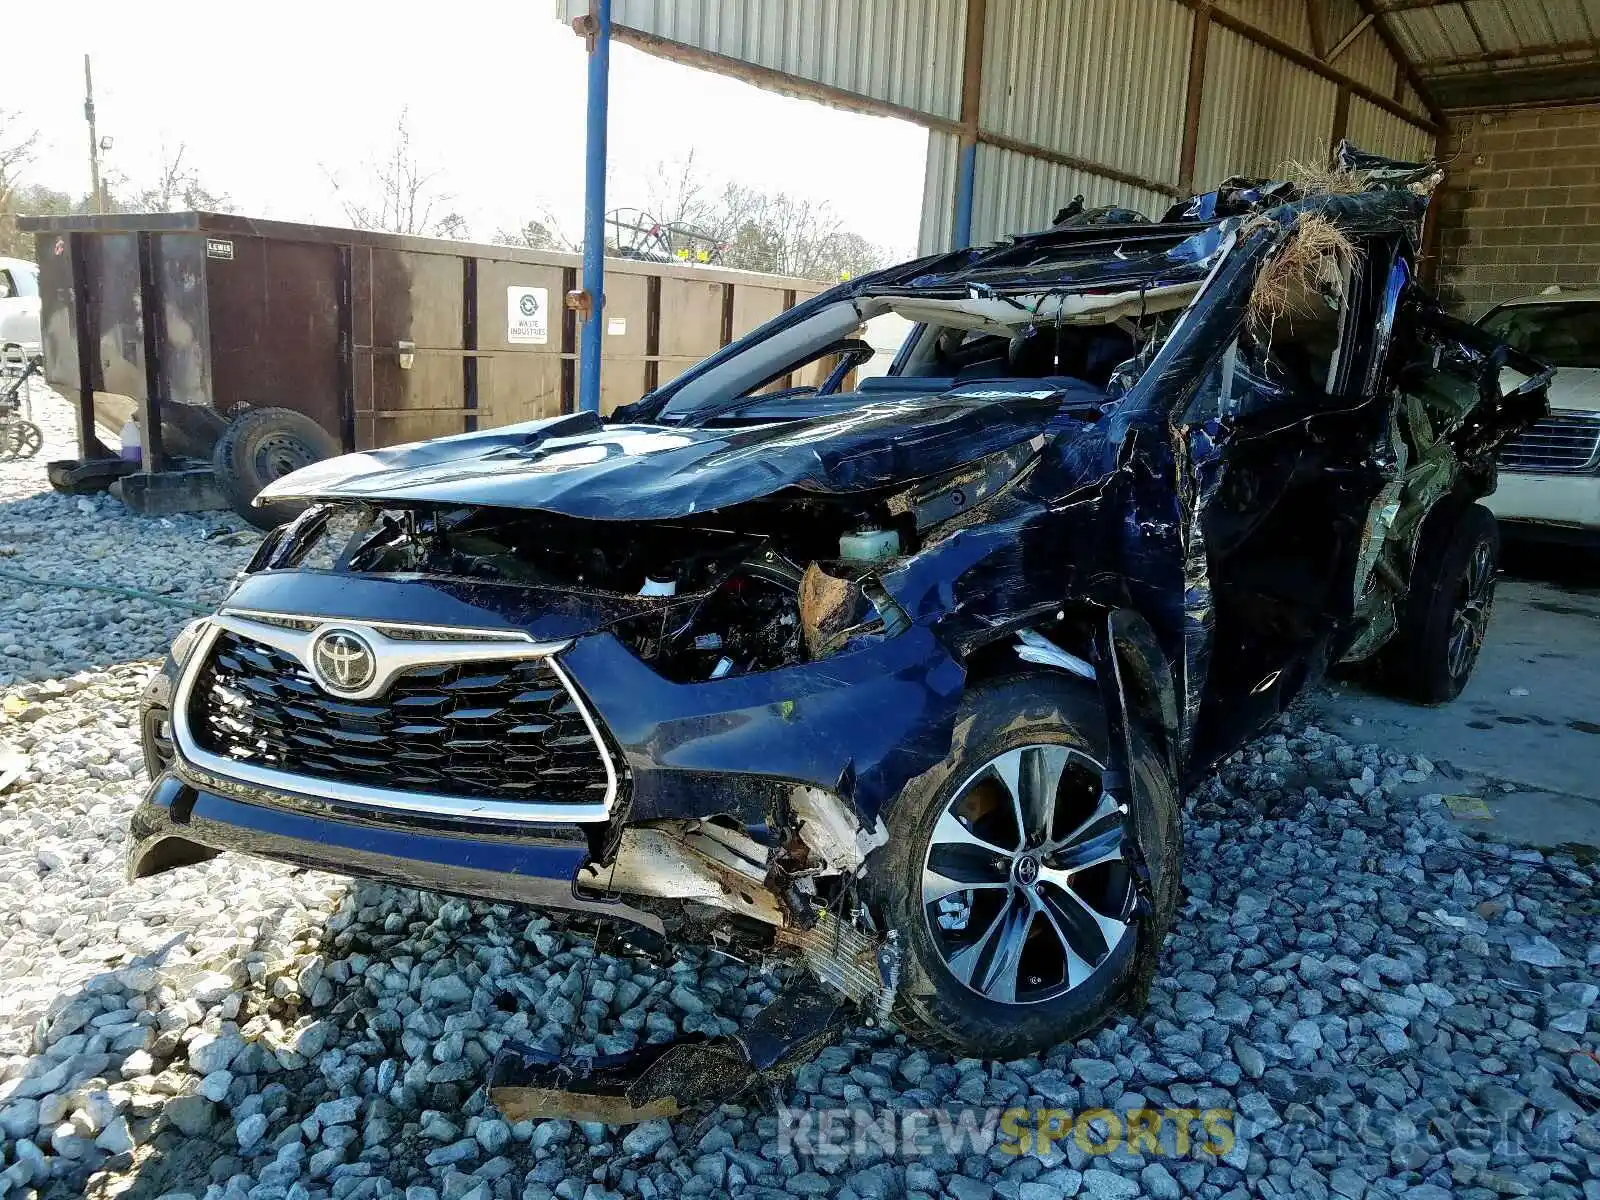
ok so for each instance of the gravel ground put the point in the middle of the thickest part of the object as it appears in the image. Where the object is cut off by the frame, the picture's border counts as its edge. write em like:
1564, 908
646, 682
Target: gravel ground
52, 632
1389, 1007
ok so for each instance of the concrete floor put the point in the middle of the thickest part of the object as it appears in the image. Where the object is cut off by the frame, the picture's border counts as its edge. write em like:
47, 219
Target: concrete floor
1519, 750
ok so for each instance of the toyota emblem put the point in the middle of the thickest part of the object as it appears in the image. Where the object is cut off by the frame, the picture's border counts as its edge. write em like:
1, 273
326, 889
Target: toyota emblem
342, 661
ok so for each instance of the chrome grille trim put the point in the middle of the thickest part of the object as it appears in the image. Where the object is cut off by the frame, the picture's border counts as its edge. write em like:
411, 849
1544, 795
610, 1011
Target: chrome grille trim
1565, 442
516, 645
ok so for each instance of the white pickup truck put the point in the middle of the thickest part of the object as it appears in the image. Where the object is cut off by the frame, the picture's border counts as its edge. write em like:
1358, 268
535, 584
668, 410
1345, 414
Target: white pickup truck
1550, 474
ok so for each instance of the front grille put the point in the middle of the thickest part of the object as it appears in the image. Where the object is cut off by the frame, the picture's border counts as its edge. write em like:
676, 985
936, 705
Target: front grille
1563, 441
498, 729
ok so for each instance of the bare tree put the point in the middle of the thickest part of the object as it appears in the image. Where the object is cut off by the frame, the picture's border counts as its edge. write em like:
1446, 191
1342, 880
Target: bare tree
17, 145
400, 192
752, 229
176, 188
539, 233
680, 196
452, 225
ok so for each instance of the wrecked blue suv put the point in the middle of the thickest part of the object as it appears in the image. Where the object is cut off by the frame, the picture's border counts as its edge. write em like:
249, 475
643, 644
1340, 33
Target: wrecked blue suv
899, 677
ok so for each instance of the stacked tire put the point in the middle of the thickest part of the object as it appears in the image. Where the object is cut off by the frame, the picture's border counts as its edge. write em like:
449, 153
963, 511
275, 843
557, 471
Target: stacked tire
261, 446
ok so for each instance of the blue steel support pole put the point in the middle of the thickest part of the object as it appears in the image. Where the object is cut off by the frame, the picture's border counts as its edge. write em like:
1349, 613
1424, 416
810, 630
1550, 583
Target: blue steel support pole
594, 207
966, 172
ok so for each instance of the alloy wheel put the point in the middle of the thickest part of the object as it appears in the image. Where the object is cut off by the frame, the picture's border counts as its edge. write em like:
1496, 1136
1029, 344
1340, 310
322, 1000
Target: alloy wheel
1026, 885
1470, 619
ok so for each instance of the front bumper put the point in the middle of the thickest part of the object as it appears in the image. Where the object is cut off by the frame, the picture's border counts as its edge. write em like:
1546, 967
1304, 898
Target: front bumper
177, 824
858, 725
1569, 502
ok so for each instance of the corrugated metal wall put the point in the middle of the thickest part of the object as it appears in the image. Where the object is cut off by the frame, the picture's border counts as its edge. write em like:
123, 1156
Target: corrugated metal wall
1100, 82
1018, 191
1384, 133
938, 193
1060, 74
905, 52
1259, 111
1283, 19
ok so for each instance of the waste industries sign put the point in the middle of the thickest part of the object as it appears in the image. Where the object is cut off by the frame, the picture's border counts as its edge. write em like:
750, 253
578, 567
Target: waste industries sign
527, 315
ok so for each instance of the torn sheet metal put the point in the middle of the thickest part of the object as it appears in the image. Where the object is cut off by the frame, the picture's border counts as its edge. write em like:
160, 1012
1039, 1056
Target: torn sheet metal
665, 1079
580, 467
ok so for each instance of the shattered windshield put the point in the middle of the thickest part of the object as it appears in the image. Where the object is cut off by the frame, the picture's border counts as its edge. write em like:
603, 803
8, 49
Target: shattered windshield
1563, 334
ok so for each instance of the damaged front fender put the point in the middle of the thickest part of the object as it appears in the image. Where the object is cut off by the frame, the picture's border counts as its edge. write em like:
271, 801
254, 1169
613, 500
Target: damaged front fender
737, 744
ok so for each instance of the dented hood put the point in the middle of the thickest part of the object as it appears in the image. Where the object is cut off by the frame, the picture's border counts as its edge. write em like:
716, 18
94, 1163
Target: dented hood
581, 467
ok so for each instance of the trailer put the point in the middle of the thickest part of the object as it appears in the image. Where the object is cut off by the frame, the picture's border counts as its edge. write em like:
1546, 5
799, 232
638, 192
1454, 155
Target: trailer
244, 348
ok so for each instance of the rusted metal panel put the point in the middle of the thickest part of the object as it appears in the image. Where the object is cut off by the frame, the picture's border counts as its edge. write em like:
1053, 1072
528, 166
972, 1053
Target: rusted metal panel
1018, 191
691, 318
58, 313
1260, 111
624, 335
1383, 133
260, 313
273, 325
1061, 74
902, 52
754, 305
113, 262
186, 321
416, 300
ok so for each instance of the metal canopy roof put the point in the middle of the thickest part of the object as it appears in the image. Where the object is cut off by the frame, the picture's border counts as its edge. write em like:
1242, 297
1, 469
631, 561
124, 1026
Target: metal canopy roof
1496, 53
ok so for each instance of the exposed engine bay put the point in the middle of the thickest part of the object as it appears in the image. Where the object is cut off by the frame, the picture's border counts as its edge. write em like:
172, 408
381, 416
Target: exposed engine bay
752, 588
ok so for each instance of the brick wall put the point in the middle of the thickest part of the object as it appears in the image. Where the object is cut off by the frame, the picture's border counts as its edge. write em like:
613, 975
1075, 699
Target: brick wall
1520, 208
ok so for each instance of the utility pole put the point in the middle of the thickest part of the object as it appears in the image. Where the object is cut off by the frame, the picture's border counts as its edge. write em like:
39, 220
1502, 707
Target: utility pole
94, 142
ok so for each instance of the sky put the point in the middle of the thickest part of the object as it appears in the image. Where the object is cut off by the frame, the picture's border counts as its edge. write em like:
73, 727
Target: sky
269, 100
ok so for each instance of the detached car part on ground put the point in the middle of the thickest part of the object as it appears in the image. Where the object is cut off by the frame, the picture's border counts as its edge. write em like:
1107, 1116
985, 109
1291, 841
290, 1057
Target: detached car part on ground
900, 681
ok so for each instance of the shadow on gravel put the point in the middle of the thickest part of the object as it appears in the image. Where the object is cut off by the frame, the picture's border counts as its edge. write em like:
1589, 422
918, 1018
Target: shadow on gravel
121, 1101
147, 576
360, 1061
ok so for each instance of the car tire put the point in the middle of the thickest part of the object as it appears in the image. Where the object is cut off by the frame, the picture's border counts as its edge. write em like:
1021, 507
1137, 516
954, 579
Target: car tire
262, 445
1042, 717
1445, 615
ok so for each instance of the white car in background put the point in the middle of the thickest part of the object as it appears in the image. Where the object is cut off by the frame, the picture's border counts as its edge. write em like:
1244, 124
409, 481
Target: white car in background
19, 308
1550, 475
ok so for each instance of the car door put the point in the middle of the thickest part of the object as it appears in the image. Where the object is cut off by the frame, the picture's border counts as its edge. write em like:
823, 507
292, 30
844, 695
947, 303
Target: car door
1289, 464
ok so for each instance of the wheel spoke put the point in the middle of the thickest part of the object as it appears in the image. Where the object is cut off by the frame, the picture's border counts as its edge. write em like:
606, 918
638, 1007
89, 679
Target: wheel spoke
1480, 573
964, 961
1107, 809
1039, 777
951, 832
1008, 770
1094, 850
1077, 969
1091, 933
962, 874
998, 976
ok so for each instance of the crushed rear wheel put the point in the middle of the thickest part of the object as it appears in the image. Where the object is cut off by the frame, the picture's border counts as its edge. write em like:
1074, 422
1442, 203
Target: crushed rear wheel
1445, 617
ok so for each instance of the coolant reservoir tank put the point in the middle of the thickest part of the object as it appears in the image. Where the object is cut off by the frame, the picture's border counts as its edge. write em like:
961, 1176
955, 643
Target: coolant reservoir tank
869, 545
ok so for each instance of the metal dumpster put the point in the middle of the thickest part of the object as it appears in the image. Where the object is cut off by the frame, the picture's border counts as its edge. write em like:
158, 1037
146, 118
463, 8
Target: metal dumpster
185, 321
